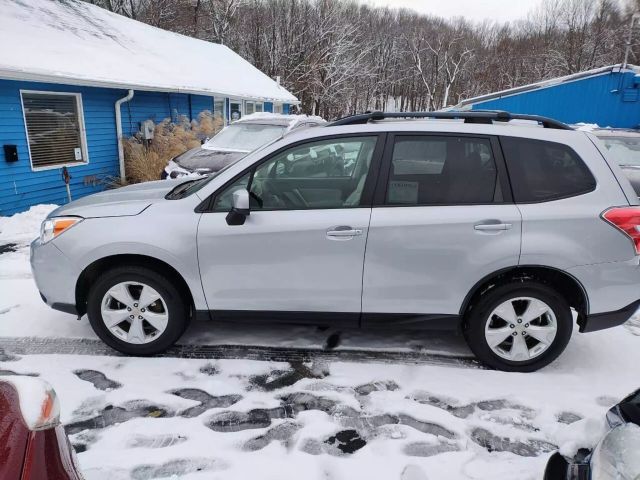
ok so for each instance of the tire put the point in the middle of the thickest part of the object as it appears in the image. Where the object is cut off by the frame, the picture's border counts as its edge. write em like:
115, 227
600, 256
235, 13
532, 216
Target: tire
171, 310
482, 322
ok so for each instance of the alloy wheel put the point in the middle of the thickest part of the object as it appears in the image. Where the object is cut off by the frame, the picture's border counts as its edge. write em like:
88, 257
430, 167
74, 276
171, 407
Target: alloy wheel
134, 312
521, 329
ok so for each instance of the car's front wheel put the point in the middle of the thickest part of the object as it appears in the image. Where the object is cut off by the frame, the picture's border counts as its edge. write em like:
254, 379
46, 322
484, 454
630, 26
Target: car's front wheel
136, 310
519, 327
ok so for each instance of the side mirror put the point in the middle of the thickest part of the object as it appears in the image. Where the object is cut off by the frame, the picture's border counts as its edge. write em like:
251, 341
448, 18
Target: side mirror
240, 209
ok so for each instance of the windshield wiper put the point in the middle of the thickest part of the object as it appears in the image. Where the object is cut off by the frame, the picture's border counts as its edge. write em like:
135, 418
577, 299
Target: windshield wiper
177, 191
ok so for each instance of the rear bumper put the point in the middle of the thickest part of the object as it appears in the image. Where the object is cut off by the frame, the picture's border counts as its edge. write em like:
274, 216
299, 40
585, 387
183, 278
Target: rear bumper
600, 321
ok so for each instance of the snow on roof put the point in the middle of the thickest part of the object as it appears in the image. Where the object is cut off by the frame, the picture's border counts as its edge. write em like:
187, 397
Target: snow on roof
547, 83
73, 42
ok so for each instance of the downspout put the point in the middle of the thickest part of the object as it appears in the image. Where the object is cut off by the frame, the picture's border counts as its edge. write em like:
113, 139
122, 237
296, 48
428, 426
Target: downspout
119, 102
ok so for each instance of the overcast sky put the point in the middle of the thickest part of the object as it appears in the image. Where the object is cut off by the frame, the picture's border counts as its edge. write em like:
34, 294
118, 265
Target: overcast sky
501, 10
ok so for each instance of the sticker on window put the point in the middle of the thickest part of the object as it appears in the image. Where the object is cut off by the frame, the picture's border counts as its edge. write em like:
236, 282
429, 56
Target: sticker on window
401, 191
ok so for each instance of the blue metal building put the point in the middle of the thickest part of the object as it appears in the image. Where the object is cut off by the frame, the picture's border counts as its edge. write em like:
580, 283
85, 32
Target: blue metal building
608, 96
75, 79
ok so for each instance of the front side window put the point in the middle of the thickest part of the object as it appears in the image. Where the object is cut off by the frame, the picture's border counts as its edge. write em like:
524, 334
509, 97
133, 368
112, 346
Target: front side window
433, 170
543, 171
55, 129
324, 174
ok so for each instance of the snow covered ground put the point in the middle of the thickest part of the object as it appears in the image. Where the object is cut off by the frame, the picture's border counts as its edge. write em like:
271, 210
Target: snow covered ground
342, 418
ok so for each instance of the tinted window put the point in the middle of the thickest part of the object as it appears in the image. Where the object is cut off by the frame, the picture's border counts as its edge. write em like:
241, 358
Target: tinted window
542, 170
324, 174
441, 171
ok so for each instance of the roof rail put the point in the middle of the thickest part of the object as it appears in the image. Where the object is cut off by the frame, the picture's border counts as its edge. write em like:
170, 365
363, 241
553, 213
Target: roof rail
474, 116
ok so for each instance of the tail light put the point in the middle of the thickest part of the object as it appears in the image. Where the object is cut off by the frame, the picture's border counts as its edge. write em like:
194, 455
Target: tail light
38, 402
627, 220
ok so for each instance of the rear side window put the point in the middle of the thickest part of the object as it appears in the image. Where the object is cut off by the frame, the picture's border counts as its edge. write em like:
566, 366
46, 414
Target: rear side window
433, 170
542, 171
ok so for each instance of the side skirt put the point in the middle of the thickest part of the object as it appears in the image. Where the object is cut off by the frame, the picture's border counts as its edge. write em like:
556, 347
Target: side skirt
404, 321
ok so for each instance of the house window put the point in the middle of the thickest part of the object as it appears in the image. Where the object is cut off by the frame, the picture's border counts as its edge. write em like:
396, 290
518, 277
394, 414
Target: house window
218, 108
235, 111
253, 107
277, 108
55, 128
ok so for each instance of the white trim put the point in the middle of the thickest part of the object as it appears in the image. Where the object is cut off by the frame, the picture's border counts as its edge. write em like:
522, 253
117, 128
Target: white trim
81, 126
20, 75
119, 102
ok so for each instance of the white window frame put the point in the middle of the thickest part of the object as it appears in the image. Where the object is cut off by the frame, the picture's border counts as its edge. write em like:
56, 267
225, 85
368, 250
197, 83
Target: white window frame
83, 131
278, 108
255, 104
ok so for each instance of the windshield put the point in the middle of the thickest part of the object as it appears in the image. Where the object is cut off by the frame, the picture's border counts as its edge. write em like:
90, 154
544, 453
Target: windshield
625, 150
245, 136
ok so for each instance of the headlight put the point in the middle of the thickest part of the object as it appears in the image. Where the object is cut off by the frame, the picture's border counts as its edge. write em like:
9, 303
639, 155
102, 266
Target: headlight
52, 227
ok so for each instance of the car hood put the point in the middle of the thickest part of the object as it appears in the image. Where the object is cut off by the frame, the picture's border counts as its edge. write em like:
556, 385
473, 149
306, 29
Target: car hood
119, 202
633, 174
212, 160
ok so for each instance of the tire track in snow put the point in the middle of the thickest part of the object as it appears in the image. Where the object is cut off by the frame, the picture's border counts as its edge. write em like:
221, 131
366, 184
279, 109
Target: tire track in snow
81, 346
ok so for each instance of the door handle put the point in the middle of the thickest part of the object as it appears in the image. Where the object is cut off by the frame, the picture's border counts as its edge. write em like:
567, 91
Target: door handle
492, 227
343, 232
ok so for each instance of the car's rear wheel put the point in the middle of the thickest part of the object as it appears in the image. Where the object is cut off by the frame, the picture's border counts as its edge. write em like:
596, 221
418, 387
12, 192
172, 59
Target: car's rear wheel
519, 327
136, 310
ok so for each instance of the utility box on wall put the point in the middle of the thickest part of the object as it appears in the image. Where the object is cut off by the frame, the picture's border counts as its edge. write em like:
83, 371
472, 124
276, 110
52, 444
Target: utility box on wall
147, 128
11, 153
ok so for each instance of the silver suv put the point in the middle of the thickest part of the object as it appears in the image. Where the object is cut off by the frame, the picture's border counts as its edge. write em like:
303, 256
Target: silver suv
505, 227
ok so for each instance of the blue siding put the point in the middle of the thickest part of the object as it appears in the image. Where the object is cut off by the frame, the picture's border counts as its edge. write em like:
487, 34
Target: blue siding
157, 106
20, 187
268, 107
200, 103
285, 108
610, 100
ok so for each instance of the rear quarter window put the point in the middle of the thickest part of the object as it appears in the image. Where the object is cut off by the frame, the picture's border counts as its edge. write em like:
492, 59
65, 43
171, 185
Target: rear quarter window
542, 171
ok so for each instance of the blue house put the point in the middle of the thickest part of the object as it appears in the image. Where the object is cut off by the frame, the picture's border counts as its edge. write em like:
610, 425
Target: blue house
75, 79
608, 96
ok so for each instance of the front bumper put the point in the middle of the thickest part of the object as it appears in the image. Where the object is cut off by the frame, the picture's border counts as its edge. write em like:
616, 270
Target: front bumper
601, 321
55, 276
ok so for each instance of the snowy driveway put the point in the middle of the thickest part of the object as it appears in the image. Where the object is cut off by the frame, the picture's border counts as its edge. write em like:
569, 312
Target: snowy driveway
280, 403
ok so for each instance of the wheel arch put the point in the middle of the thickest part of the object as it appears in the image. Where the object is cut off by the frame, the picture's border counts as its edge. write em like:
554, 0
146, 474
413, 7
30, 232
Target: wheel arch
565, 283
95, 269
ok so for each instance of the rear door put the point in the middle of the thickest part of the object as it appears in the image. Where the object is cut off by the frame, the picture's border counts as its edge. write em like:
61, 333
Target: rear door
443, 219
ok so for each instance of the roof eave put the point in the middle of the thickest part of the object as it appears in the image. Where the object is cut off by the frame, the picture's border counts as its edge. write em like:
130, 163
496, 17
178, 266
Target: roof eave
20, 75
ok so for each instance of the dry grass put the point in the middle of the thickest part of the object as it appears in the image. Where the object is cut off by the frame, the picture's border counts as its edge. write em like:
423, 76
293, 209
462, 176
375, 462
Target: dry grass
144, 161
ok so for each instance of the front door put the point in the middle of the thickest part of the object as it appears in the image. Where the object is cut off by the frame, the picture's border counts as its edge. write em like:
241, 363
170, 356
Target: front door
442, 220
299, 255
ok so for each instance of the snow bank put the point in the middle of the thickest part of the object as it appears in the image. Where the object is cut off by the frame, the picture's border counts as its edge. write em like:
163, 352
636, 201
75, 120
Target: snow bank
25, 226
